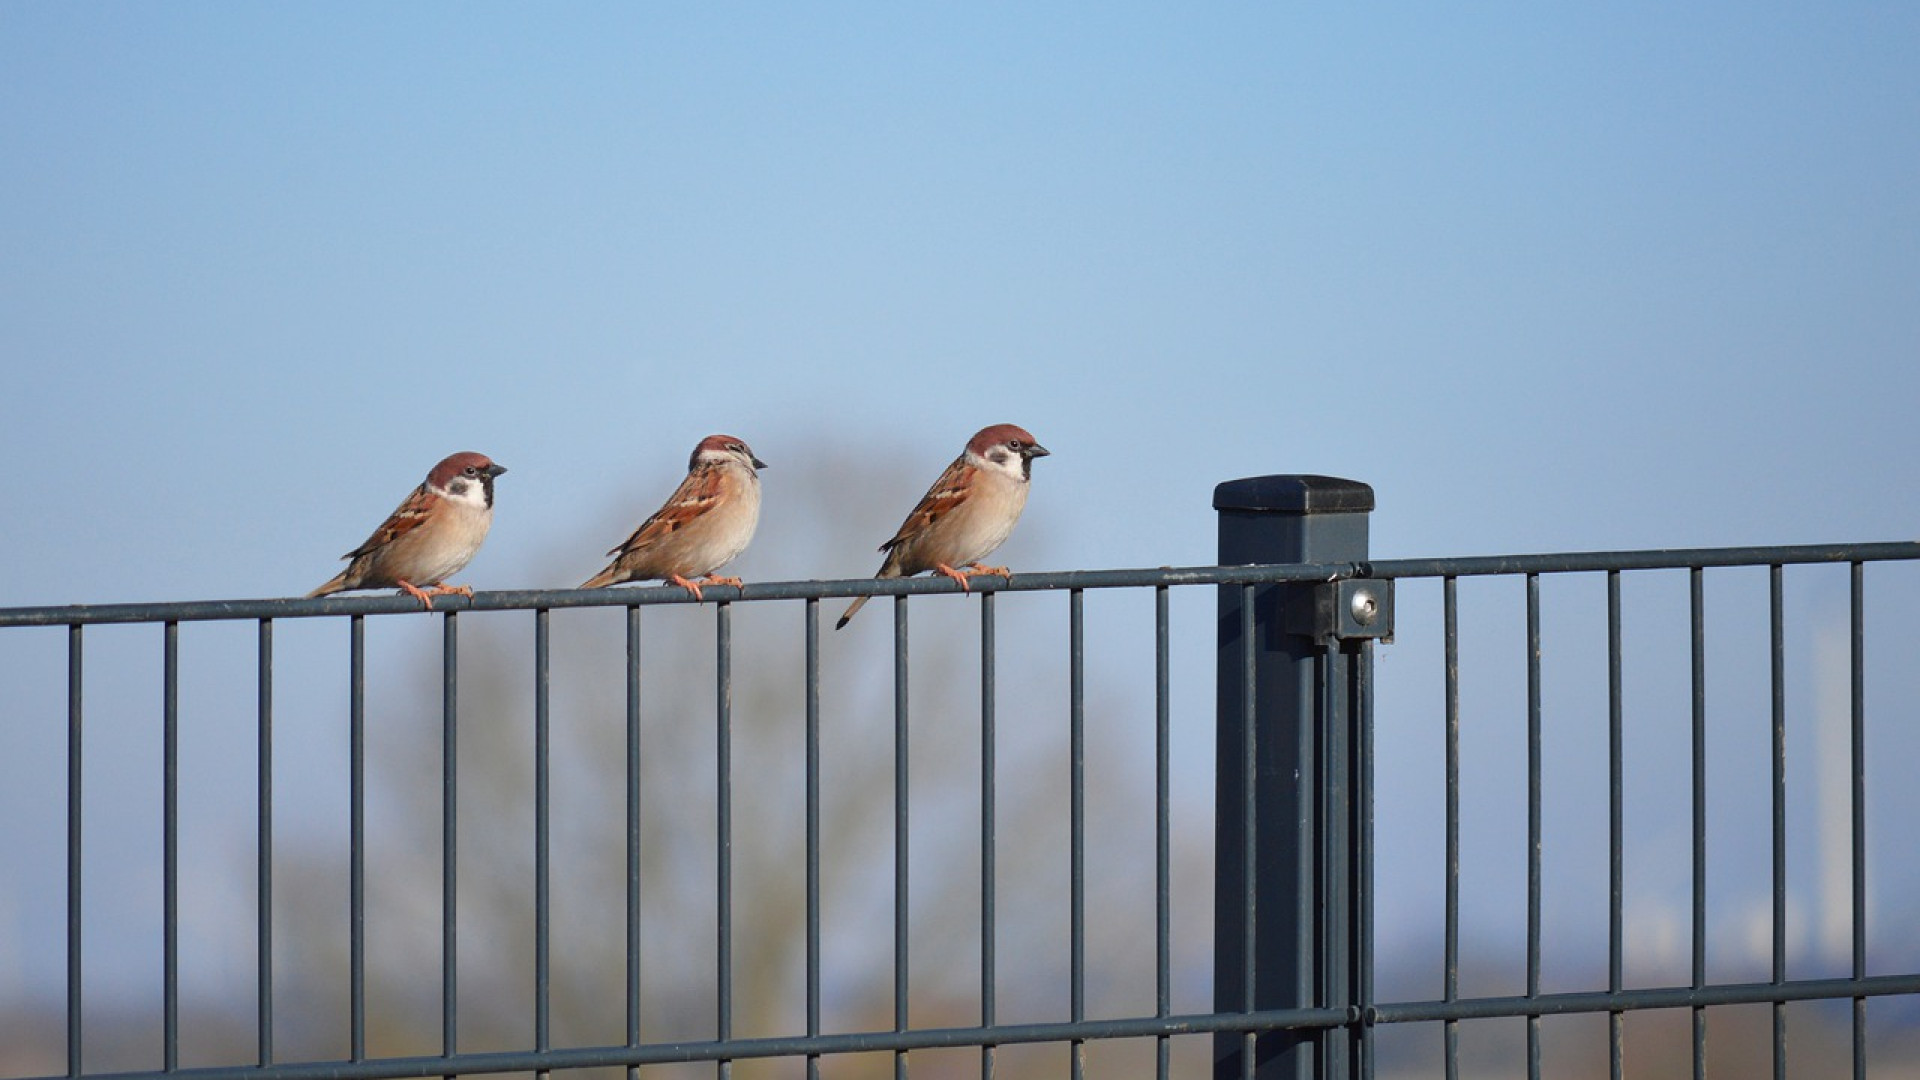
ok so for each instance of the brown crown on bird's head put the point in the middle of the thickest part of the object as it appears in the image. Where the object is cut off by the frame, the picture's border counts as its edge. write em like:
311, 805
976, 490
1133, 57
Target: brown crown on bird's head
715, 448
1012, 436
469, 464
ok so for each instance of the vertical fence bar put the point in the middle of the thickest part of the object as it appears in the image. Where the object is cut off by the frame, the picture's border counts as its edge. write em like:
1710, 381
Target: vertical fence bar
450, 833
1616, 829
1777, 662
633, 832
901, 925
1282, 935
1533, 821
1857, 694
263, 857
542, 806
1249, 853
813, 828
1077, 820
1450, 633
988, 871
1363, 853
1333, 938
74, 774
170, 846
1698, 624
1162, 824
1309, 812
723, 826
357, 836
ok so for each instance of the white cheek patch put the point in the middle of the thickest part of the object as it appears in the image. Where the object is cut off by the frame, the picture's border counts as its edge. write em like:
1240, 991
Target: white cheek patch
1005, 463
466, 492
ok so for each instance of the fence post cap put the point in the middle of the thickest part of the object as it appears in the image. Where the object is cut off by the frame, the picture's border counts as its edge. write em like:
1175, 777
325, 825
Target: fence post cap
1295, 494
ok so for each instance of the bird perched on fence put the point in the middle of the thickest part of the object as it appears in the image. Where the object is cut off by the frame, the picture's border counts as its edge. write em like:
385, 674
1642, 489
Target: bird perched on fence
706, 523
430, 537
966, 514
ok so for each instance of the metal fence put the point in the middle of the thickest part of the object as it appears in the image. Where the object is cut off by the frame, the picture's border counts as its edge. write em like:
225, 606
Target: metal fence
1301, 612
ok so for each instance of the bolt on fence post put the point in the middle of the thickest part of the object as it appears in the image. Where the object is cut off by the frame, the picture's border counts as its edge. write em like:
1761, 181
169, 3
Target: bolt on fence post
1285, 933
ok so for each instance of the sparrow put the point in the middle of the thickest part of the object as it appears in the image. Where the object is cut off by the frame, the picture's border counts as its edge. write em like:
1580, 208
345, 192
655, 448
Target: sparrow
431, 536
966, 514
706, 523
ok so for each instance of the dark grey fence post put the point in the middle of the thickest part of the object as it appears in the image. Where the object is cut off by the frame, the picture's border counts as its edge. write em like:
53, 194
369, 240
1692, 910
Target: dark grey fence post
1286, 918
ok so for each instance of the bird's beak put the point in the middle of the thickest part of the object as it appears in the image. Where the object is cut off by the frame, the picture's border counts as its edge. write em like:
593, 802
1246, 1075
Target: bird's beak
758, 464
496, 470
1036, 450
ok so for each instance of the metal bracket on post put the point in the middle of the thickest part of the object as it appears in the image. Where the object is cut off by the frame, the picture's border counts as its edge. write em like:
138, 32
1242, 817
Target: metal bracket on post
1351, 609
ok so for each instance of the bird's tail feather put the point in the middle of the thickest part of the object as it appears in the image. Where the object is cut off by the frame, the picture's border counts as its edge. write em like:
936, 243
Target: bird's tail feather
888, 569
603, 578
858, 603
338, 584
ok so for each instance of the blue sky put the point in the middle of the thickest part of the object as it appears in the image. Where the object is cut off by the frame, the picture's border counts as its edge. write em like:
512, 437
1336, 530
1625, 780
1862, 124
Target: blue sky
1548, 278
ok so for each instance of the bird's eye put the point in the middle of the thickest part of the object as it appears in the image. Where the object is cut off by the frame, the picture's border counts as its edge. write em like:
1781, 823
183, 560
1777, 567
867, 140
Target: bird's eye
1014, 444
471, 470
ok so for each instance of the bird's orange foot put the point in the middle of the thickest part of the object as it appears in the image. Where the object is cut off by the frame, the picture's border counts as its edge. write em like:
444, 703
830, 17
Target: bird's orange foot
715, 579
685, 584
452, 590
422, 595
958, 575
975, 570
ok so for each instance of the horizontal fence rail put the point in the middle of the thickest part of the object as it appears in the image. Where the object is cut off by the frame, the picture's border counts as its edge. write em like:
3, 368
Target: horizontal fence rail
1323, 896
563, 599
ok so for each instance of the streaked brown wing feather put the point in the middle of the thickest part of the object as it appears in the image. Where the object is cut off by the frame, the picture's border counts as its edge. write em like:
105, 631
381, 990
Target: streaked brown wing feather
699, 491
941, 498
404, 519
